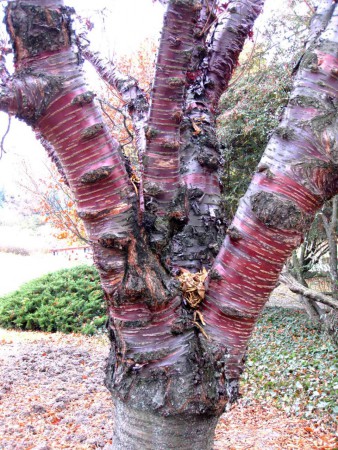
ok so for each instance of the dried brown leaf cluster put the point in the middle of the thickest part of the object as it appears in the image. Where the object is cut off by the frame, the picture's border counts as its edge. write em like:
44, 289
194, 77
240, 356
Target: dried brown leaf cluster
192, 286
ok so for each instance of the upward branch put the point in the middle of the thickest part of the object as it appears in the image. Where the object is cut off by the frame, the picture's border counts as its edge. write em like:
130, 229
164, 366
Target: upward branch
226, 44
48, 92
200, 155
132, 95
161, 166
134, 98
296, 174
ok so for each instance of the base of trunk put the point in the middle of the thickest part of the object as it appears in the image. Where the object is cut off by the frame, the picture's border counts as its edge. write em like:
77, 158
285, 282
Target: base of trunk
136, 429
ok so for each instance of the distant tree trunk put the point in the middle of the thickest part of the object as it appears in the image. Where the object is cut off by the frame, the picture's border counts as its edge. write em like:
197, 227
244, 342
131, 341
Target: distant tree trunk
331, 230
175, 356
328, 317
311, 307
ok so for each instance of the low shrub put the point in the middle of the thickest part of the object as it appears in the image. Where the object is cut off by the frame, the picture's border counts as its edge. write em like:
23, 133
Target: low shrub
15, 250
69, 300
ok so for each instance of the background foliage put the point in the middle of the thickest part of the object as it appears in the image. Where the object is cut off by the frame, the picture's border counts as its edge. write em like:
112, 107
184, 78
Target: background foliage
69, 300
253, 104
292, 365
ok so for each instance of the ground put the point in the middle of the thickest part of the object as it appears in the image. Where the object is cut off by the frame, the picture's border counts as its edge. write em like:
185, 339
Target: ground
52, 394
52, 397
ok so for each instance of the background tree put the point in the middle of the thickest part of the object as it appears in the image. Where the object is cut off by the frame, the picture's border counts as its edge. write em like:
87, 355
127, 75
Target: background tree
306, 266
178, 333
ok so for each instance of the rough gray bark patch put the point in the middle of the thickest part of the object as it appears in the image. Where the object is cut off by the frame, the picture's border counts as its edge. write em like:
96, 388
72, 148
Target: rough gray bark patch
276, 212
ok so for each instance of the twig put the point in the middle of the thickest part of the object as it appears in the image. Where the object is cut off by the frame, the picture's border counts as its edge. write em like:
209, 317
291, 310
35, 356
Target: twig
297, 288
2, 149
309, 6
125, 118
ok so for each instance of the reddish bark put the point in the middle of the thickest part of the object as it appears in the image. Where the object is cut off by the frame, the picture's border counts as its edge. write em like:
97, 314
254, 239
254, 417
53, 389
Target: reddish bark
297, 173
48, 91
163, 361
200, 154
162, 165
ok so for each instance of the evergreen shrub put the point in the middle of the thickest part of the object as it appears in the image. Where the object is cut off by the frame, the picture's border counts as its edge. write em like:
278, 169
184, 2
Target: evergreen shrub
69, 300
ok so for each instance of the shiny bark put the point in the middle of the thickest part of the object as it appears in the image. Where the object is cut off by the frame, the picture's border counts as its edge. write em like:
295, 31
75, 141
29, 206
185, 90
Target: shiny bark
162, 164
48, 92
296, 174
200, 154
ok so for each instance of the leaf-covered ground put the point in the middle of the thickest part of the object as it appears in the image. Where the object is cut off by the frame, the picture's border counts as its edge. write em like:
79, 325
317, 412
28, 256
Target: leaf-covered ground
293, 366
52, 394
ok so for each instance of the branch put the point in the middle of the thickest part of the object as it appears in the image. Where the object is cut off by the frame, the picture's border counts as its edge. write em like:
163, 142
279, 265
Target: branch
67, 118
226, 44
162, 165
134, 98
131, 94
4, 74
297, 288
26, 96
125, 118
200, 154
2, 148
296, 174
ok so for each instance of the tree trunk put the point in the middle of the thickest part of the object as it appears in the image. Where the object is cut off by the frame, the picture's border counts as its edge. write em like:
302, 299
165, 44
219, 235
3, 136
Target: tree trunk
173, 366
135, 429
311, 308
332, 234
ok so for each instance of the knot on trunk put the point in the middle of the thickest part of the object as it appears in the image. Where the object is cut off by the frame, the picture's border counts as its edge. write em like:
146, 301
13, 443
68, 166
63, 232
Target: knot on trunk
92, 176
114, 240
277, 212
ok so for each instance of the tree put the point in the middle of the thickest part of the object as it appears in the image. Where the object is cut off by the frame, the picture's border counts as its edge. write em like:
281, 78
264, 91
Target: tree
320, 240
182, 300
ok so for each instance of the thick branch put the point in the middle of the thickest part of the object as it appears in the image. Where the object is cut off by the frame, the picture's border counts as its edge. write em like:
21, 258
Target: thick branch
161, 167
50, 93
297, 173
297, 288
227, 41
26, 97
200, 155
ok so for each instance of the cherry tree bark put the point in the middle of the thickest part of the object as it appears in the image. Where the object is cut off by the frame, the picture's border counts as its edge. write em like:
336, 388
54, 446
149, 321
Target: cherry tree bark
174, 365
296, 174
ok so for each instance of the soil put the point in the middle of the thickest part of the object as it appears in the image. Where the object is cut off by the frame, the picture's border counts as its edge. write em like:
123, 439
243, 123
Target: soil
52, 397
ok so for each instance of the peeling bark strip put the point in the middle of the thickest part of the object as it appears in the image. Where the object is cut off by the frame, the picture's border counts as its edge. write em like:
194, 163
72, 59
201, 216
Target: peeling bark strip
275, 212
